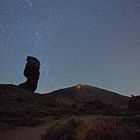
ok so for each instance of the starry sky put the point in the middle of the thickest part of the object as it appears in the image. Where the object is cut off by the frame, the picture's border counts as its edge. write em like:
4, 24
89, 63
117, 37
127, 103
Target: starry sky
96, 42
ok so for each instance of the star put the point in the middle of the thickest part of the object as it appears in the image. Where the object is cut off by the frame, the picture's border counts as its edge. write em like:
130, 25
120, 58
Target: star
37, 33
29, 3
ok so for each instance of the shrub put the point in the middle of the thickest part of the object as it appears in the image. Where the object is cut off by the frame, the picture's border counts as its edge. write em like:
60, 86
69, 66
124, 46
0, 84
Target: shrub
98, 129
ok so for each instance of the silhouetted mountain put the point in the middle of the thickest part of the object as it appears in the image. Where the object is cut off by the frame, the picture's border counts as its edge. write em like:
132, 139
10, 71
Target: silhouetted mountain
19, 106
86, 93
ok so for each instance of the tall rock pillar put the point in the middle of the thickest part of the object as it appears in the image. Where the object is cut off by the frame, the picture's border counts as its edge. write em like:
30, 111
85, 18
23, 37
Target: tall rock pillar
31, 72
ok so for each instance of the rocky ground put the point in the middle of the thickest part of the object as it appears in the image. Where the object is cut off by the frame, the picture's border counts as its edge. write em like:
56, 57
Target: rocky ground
32, 116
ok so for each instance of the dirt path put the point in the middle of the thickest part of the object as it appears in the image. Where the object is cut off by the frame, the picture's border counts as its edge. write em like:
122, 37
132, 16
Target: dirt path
31, 133
34, 133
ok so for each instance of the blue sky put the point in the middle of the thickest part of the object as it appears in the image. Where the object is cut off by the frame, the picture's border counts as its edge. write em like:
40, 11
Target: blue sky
95, 42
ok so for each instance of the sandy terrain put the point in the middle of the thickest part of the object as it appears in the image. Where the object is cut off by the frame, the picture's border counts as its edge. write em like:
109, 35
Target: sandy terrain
31, 133
34, 133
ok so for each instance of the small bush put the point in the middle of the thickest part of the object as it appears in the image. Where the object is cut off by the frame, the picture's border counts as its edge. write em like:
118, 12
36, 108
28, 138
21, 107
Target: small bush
66, 131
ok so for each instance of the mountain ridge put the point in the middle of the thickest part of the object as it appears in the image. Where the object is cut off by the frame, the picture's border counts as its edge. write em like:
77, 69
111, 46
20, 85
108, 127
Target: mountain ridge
87, 93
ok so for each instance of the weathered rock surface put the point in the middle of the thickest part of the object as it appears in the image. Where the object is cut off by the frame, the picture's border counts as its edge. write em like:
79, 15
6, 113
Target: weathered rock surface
134, 102
31, 72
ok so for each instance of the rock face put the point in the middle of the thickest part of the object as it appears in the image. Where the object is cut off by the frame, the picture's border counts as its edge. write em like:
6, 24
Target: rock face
134, 102
31, 72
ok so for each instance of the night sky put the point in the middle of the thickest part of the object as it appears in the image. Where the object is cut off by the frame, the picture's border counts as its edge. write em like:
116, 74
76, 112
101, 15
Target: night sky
96, 42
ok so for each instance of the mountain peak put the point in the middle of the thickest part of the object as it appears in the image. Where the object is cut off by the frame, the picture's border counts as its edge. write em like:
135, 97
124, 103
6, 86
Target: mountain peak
79, 86
87, 93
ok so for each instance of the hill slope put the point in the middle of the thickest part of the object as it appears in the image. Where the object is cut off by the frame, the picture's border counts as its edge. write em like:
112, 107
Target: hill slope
86, 93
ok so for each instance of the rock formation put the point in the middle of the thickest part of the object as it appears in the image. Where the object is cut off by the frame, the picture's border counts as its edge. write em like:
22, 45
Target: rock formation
134, 102
31, 72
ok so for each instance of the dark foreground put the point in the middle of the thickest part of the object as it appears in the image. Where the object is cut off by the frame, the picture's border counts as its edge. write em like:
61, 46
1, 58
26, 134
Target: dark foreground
28, 116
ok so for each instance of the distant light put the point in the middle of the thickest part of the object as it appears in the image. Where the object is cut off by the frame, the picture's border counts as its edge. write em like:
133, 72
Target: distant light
80, 86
